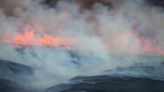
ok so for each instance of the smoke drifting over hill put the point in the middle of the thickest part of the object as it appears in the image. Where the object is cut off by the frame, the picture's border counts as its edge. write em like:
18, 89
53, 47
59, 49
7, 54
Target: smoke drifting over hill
127, 28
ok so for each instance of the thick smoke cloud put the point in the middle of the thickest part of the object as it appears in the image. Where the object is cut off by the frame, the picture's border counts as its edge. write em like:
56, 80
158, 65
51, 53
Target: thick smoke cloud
98, 33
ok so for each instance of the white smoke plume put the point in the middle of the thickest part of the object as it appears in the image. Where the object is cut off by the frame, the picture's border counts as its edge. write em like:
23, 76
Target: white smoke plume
98, 33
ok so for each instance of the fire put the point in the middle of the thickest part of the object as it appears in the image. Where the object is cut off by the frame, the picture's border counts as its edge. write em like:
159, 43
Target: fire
29, 38
149, 45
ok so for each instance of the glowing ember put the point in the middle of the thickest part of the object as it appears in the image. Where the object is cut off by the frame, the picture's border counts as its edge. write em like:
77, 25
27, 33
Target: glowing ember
29, 38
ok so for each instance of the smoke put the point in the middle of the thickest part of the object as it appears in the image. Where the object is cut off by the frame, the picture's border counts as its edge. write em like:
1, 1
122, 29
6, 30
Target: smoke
131, 28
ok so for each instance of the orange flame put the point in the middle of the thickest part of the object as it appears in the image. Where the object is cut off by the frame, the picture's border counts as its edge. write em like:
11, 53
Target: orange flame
149, 45
29, 38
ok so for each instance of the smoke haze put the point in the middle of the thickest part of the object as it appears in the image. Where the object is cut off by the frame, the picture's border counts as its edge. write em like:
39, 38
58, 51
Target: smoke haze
131, 28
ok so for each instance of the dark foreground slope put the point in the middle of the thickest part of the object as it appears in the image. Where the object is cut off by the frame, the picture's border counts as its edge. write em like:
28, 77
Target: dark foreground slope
11, 86
110, 84
135, 78
14, 77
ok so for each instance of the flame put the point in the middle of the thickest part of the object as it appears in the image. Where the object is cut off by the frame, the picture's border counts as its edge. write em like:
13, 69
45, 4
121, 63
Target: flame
148, 45
29, 38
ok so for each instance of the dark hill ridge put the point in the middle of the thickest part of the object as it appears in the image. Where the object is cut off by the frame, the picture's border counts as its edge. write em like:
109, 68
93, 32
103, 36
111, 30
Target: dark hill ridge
14, 71
110, 84
152, 72
14, 76
11, 86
